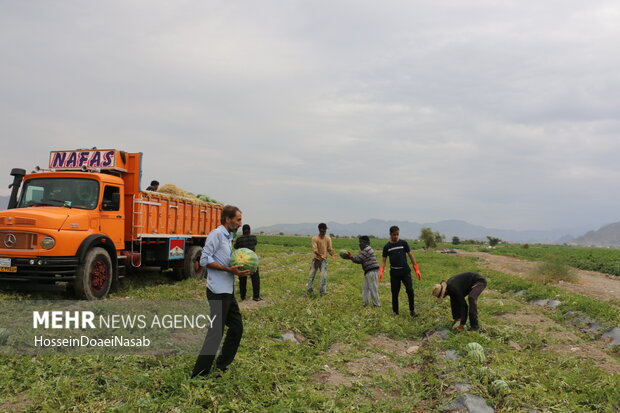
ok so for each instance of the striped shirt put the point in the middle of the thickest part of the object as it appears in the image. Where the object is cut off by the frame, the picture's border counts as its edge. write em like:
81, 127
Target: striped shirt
367, 258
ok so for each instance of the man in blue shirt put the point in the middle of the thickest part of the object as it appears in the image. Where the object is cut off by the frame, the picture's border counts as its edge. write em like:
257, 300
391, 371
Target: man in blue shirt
220, 293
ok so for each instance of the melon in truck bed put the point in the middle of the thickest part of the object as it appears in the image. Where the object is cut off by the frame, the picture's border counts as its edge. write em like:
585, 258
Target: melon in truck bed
246, 258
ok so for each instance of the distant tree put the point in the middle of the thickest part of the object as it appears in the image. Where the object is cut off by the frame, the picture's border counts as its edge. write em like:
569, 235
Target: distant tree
332, 235
281, 233
472, 242
493, 241
456, 240
427, 236
438, 237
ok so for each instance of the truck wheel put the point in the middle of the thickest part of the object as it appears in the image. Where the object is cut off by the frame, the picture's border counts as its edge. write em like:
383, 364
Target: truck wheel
94, 275
189, 267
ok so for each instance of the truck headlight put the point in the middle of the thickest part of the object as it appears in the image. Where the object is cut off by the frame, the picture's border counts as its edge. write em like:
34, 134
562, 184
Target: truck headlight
48, 243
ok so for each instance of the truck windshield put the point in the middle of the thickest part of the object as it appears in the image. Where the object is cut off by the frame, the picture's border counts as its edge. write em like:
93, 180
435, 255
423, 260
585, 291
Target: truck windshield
63, 192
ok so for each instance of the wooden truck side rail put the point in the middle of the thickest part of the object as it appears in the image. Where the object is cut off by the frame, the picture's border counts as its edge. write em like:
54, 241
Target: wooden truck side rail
156, 213
160, 224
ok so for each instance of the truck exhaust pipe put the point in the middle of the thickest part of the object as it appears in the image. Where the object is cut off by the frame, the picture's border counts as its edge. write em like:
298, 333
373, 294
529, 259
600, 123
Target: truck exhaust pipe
18, 175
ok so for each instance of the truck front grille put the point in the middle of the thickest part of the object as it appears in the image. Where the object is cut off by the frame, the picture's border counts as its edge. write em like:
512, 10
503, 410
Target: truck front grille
18, 240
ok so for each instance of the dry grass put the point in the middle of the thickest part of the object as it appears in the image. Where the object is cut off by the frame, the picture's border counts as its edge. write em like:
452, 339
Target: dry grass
552, 271
172, 189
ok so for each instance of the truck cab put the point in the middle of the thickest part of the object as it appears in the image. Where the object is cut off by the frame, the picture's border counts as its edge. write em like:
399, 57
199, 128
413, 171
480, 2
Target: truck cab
66, 225
67, 202
84, 220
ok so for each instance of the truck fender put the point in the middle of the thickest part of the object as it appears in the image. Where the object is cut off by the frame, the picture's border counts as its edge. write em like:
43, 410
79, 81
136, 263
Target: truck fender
99, 240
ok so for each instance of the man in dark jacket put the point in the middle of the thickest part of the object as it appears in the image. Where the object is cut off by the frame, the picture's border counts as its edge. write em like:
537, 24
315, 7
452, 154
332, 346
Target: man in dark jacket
468, 284
248, 241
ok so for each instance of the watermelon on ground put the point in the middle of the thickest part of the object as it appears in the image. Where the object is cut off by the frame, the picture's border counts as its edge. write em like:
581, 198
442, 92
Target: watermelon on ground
477, 356
500, 385
474, 346
486, 374
246, 258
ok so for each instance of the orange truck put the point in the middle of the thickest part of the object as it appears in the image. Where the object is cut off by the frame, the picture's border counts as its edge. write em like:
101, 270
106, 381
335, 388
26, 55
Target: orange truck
84, 222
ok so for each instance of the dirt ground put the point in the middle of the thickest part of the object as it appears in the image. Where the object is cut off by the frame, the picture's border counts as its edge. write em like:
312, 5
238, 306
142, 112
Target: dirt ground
249, 304
589, 283
563, 340
362, 369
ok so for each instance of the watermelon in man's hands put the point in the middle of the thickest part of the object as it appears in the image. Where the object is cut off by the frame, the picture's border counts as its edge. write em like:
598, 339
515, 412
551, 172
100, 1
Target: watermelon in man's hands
246, 258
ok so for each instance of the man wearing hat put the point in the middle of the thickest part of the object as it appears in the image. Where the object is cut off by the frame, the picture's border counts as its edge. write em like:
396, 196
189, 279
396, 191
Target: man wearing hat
321, 246
468, 284
367, 258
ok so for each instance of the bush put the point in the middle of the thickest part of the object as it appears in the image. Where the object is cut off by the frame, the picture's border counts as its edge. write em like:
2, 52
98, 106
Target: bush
551, 271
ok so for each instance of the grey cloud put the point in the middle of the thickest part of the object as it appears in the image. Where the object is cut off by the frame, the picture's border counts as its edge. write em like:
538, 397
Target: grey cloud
490, 112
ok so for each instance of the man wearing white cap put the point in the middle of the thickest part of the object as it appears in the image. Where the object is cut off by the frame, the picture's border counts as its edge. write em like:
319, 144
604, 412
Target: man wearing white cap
468, 284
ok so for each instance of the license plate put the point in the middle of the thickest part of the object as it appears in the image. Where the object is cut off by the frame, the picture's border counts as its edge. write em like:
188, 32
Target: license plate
8, 269
5, 262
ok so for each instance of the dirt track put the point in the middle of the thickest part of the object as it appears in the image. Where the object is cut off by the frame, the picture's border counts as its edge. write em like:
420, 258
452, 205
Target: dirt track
589, 283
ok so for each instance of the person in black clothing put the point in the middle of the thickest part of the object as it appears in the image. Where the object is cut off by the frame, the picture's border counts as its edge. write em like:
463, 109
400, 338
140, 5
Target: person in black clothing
248, 241
397, 250
153, 187
468, 284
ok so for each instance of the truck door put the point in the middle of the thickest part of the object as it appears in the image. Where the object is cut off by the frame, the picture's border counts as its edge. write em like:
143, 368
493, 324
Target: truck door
112, 223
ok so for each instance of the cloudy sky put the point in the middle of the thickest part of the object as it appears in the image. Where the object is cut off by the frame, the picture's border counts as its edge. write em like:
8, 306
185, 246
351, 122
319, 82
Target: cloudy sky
501, 113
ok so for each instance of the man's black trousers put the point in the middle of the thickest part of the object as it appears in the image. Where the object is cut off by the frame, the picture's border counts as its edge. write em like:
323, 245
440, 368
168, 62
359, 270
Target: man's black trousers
243, 283
396, 277
226, 311
473, 304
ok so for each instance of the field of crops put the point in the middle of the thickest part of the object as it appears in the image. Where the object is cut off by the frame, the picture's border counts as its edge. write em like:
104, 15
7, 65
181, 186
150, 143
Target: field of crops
606, 260
348, 358
338, 243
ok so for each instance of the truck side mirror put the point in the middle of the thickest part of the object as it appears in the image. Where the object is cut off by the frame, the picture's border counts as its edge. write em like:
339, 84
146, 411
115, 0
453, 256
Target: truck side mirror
18, 175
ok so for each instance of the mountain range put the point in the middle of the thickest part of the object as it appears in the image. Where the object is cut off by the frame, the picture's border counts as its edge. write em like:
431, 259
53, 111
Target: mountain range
411, 230
606, 236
